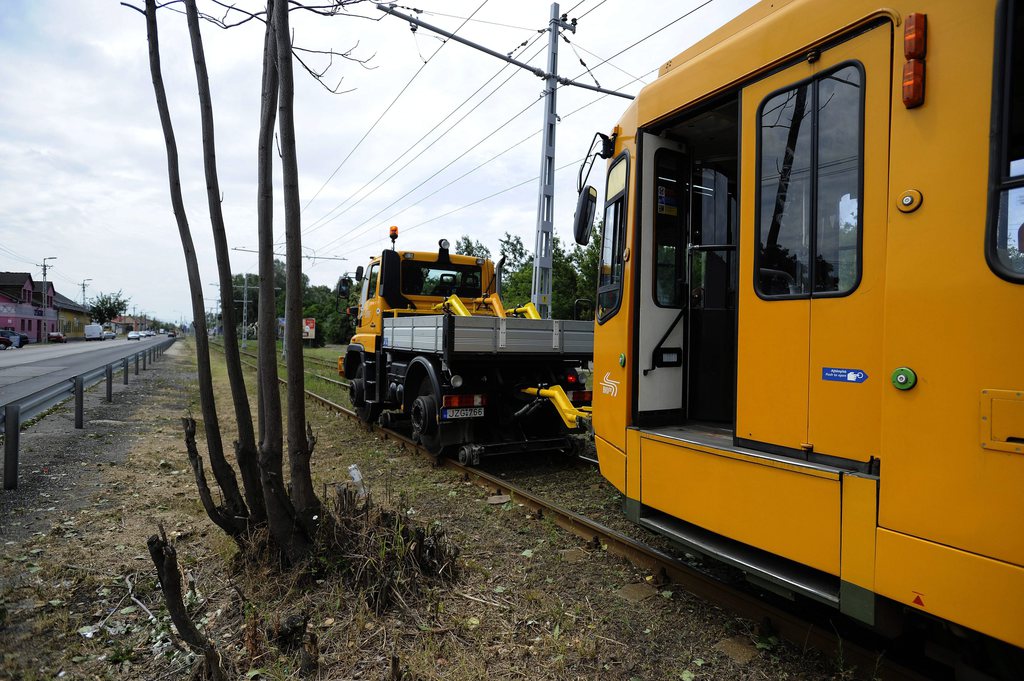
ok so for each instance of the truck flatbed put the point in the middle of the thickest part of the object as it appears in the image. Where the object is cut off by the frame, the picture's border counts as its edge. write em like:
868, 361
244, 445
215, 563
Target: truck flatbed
479, 335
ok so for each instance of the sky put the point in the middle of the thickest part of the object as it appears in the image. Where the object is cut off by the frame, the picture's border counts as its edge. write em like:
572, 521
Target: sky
429, 135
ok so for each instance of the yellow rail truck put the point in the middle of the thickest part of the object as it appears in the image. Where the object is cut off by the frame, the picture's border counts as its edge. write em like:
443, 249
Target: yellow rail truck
810, 317
435, 346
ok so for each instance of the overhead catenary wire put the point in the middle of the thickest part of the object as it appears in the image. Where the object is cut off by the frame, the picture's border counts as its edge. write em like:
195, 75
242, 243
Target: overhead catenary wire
473, 203
353, 233
603, 61
385, 112
346, 234
328, 217
445, 167
653, 33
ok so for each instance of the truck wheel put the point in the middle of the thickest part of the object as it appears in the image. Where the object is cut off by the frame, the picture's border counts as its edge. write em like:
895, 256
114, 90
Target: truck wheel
423, 416
367, 413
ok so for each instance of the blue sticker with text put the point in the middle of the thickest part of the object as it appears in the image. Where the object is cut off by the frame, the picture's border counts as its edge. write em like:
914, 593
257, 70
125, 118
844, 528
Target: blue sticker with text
843, 375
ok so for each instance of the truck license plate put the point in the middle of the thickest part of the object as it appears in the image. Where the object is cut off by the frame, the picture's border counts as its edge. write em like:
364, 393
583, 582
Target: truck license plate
462, 413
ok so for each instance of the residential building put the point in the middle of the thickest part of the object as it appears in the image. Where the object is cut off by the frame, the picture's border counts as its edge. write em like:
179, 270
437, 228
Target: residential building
71, 316
18, 311
45, 312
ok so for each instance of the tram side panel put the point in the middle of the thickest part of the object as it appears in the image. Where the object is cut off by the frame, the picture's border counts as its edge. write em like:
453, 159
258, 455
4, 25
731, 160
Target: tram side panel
926, 508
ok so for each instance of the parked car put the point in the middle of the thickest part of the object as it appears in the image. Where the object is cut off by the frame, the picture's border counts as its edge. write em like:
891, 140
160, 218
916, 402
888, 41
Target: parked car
5, 342
134, 335
93, 332
17, 339
109, 335
56, 337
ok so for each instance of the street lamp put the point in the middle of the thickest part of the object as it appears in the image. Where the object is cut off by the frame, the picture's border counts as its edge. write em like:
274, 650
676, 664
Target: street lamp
46, 330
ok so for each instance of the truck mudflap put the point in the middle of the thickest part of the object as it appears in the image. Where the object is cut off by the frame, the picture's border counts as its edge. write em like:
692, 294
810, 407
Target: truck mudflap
470, 454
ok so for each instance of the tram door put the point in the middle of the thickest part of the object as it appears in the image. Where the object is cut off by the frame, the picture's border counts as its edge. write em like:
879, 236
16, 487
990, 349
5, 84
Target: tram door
687, 306
815, 174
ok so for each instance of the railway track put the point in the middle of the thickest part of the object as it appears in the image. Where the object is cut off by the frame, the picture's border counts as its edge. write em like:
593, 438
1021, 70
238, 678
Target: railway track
816, 632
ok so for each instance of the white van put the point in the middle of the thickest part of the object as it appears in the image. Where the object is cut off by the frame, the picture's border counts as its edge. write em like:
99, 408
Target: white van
93, 332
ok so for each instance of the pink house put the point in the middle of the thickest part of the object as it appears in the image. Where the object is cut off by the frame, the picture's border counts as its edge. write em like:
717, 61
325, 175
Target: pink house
26, 306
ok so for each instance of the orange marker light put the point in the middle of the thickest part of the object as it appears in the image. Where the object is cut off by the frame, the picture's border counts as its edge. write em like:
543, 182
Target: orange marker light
913, 83
393, 232
915, 46
915, 35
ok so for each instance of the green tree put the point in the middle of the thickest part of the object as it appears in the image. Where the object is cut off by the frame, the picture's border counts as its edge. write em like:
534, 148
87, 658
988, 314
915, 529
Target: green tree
517, 277
585, 261
107, 306
573, 275
467, 246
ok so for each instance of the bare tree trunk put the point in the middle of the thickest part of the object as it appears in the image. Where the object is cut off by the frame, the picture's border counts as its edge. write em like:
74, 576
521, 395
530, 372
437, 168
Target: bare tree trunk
245, 446
289, 536
300, 449
225, 522
165, 558
222, 471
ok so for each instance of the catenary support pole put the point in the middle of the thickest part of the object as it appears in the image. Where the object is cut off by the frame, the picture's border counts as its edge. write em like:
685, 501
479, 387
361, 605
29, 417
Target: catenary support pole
541, 290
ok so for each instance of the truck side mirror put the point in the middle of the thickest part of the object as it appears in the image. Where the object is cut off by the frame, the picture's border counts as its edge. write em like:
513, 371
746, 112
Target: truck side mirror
359, 274
391, 280
583, 221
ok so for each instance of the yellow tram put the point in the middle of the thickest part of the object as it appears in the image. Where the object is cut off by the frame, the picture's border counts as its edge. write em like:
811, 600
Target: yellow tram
809, 338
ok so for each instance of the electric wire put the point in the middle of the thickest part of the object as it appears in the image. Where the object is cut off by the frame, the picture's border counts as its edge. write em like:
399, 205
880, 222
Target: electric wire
353, 232
327, 217
445, 167
652, 34
574, 51
476, 21
389, 107
445, 186
605, 61
473, 203
589, 10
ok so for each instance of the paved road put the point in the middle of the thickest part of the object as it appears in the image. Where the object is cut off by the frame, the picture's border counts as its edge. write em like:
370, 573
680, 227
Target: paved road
23, 371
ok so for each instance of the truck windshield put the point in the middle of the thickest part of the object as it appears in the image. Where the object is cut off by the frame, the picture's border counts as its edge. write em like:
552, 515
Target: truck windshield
436, 279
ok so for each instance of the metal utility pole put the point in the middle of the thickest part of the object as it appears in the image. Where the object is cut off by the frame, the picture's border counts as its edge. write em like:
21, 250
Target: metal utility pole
46, 329
541, 291
541, 296
84, 282
245, 310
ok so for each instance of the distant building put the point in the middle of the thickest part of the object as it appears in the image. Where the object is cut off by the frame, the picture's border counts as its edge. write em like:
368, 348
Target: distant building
71, 316
42, 298
18, 311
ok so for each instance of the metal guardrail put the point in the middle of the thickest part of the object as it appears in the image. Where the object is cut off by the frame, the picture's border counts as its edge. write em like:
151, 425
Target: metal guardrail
16, 413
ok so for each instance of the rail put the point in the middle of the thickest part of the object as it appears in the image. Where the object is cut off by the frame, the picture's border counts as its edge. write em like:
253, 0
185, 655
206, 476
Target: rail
814, 629
14, 414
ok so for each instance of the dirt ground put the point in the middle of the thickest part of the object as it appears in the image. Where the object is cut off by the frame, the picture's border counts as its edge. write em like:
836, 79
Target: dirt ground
79, 599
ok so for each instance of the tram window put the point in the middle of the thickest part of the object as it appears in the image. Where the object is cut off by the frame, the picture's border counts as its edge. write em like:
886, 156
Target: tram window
809, 191
670, 212
609, 281
1006, 237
